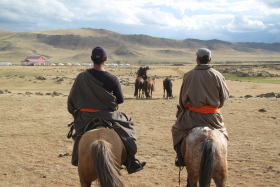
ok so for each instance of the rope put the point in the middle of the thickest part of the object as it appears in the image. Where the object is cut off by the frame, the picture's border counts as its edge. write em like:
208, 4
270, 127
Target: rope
180, 169
70, 133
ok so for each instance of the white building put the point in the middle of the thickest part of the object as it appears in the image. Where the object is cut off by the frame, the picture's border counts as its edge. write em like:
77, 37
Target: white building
5, 63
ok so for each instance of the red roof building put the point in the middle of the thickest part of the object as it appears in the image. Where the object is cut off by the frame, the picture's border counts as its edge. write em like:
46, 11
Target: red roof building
35, 61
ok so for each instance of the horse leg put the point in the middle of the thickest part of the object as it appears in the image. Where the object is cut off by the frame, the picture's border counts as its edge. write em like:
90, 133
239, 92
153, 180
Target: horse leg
168, 93
220, 175
85, 184
192, 180
220, 178
220, 170
220, 183
192, 166
136, 90
139, 93
85, 180
146, 94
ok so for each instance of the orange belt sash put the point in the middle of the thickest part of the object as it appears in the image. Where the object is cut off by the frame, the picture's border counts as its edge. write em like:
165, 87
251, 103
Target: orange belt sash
89, 110
206, 109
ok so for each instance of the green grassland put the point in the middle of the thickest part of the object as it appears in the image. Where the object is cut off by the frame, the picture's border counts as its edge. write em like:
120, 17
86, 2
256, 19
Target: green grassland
252, 79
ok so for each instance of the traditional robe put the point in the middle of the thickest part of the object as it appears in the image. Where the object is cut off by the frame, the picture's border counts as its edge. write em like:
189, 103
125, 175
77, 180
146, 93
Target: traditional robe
201, 86
87, 92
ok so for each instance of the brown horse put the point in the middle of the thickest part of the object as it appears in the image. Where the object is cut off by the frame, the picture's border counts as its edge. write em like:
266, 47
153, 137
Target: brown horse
149, 86
101, 153
139, 86
205, 154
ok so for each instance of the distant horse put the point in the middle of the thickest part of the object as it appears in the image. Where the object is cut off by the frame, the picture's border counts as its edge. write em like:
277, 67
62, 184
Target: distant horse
149, 86
101, 153
205, 155
139, 86
167, 86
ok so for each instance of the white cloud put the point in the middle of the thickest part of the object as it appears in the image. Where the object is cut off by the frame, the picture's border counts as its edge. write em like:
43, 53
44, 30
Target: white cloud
274, 31
34, 10
275, 4
242, 24
157, 17
243, 6
203, 17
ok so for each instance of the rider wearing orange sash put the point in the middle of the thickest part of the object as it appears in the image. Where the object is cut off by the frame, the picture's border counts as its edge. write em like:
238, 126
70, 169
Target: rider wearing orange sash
96, 93
203, 93
206, 109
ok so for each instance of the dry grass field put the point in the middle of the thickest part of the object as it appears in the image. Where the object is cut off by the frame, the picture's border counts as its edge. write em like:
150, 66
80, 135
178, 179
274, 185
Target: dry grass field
36, 152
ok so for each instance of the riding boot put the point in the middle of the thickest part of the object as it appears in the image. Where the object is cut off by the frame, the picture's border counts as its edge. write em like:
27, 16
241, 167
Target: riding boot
180, 161
74, 160
133, 165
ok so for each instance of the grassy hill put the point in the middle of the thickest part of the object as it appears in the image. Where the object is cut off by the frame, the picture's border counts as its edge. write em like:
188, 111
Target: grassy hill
75, 45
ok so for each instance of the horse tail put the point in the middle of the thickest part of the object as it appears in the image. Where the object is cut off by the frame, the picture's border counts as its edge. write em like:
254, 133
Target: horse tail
207, 162
146, 88
136, 91
136, 88
105, 164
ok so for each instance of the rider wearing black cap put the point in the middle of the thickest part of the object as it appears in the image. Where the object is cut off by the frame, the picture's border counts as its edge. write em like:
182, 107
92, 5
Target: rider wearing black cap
96, 93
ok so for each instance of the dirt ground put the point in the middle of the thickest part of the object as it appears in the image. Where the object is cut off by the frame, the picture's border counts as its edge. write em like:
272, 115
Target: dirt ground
36, 152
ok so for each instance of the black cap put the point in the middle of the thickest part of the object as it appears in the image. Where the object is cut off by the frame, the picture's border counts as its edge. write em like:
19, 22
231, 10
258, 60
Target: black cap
98, 53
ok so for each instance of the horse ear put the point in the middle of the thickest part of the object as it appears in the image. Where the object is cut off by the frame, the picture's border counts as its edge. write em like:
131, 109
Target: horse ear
178, 107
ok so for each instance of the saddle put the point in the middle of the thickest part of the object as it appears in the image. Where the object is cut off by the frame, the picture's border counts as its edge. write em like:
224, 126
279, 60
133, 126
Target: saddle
97, 123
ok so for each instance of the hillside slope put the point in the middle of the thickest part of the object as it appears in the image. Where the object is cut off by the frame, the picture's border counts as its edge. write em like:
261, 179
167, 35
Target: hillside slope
75, 45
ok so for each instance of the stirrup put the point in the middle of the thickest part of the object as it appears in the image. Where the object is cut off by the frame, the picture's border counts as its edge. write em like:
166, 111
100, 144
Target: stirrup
179, 163
141, 165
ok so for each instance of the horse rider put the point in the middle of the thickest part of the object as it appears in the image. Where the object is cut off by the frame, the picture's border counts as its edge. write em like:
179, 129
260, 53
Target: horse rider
142, 71
203, 93
96, 93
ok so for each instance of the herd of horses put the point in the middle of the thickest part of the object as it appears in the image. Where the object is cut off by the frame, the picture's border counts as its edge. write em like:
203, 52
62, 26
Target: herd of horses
144, 87
102, 152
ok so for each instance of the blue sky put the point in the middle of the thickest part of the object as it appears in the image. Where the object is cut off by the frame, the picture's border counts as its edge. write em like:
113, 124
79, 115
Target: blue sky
227, 20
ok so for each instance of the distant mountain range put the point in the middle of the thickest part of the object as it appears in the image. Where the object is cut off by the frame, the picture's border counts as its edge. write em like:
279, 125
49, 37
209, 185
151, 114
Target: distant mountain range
75, 45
